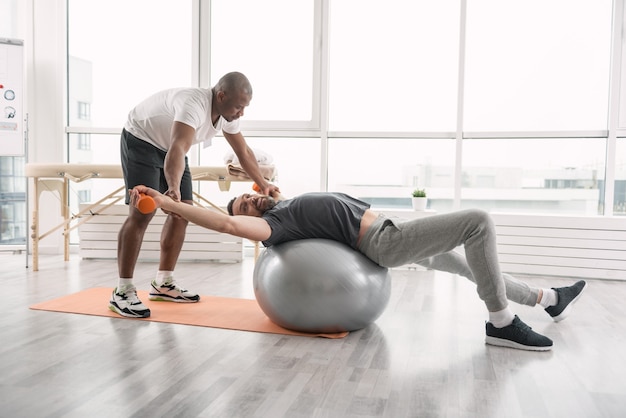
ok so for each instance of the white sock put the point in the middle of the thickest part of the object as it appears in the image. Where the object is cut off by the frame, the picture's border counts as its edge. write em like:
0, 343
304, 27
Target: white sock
124, 282
501, 319
549, 298
164, 276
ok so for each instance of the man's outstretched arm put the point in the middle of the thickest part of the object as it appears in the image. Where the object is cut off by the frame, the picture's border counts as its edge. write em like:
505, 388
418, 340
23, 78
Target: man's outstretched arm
249, 227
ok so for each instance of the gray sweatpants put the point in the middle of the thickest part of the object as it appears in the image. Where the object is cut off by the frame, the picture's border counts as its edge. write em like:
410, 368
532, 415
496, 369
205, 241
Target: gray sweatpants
430, 242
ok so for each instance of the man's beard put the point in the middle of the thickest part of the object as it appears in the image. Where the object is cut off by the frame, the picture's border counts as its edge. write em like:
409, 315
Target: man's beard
266, 203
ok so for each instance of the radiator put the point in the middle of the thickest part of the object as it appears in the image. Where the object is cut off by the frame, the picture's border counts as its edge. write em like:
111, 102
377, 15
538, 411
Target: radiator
570, 246
98, 239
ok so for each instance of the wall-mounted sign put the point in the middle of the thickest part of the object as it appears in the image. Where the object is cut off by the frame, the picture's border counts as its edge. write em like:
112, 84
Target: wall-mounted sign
11, 97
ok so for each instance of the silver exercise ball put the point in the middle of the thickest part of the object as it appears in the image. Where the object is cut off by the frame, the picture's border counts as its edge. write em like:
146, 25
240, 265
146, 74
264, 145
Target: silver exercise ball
320, 286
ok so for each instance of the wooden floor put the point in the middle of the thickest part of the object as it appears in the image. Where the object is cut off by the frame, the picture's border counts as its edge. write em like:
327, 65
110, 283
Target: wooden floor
424, 357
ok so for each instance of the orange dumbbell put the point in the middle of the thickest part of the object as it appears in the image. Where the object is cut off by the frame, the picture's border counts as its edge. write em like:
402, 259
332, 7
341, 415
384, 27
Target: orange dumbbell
146, 204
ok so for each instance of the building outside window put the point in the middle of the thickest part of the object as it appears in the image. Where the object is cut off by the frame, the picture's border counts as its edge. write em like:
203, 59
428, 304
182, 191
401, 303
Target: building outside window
84, 111
12, 201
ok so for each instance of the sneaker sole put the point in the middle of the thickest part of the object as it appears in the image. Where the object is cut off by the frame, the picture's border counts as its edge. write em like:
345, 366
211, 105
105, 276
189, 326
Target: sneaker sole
165, 298
512, 344
127, 314
565, 312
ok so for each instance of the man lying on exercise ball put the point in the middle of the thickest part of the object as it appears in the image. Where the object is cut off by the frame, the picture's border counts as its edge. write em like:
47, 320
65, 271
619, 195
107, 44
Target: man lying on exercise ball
392, 242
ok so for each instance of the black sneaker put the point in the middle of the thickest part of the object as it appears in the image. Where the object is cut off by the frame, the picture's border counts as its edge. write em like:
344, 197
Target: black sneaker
567, 296
517, 335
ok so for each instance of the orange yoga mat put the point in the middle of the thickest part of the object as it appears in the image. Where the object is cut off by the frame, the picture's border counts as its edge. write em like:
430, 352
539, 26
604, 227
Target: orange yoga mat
211, 311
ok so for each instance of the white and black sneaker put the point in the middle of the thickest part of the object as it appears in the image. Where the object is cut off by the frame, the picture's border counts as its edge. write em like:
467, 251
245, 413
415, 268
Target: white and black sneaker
125, 302
517, 335
171, 292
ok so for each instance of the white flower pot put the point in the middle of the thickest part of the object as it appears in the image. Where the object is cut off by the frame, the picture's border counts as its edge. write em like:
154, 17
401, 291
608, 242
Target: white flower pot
419, 203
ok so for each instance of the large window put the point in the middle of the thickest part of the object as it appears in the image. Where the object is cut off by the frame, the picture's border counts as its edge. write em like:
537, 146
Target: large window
563, 175
384, 171
272, 42
493, 103
619, 207
123, 51
622, 93
119, 53
297, 161
537, 65
393, 67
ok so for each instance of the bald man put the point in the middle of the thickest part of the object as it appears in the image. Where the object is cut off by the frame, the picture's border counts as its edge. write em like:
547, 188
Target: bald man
155, 140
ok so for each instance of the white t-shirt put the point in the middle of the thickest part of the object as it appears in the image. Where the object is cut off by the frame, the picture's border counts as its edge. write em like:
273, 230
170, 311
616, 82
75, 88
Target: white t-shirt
152, 119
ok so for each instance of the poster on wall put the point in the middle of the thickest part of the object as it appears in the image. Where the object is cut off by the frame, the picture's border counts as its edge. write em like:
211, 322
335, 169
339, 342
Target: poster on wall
11, 97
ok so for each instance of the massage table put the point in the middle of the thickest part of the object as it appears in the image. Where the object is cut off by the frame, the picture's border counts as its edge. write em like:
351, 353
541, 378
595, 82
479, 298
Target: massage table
57, 177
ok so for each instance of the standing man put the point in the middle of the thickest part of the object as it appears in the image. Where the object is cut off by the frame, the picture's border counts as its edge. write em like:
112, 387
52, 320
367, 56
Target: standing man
155, 140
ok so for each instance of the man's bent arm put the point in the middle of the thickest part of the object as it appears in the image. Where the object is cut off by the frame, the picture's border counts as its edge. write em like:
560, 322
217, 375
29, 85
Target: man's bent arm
248, 161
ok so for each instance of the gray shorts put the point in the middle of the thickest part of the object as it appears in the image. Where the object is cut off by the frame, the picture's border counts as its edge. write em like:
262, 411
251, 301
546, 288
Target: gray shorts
142, 163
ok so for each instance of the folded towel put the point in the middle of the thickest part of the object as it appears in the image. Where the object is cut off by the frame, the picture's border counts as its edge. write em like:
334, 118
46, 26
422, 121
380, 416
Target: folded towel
262, 157
267, 171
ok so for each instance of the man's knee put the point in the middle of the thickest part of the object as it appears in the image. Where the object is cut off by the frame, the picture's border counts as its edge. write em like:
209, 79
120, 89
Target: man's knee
481, 217
177, 221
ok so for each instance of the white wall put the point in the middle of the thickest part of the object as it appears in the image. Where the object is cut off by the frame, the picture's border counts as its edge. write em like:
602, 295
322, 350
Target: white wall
43, 26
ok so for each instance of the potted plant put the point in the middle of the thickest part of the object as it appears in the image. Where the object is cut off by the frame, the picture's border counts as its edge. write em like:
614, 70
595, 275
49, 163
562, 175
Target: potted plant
419, 199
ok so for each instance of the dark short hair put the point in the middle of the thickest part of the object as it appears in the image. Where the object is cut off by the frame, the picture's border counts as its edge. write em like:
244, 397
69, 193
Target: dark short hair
229, 207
